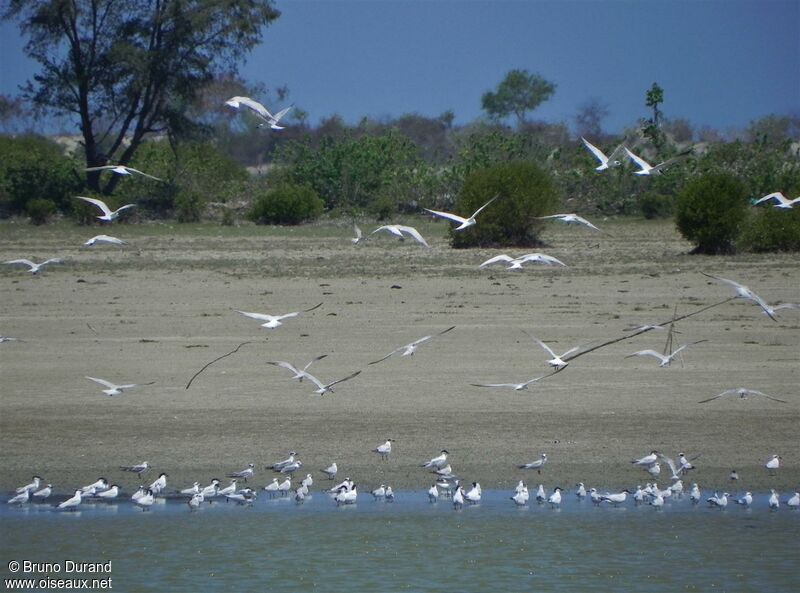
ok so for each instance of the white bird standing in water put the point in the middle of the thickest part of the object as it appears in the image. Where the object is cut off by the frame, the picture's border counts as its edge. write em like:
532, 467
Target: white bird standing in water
35, 268
433, 493
34, 485
521, 496
108, 214
555, 498
43, 493
745, 500
793, 503
21, 498
719, 501
72, 503
462, 222
474, 494
774, 501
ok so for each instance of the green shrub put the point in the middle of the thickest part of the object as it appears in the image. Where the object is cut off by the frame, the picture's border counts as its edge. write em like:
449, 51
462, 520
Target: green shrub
286, 204
40, 210
189, 206
656, 205
772, 229
711, 210
34, 168
524, 191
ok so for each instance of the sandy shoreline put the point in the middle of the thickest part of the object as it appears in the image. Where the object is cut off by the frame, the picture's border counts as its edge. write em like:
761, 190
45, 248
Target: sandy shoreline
163, 307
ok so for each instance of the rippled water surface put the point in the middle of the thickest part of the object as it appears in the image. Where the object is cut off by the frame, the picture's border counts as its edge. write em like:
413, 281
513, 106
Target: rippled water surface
410, 545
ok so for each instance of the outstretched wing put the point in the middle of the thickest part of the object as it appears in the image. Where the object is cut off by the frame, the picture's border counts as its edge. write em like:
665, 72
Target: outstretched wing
313, 360
251, 104
545, 346
482, 207
426, 338
103, 382
143, 173
599, 155
259, 316
643, 164
410, 230
287, 315
582, 220
652, 353
447, 215
503, 257
347, 378
25, 262
393, 352
391, 228
276, 118
285, 365
99, 203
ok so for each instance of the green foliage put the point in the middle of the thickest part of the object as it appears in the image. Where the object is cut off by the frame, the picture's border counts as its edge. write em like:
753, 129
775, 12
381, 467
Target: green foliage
351, 172
286, 204
40, 210
711, 211
656, 205
518, 93
194, 173
32, 167
652, 127
524, 191
772, 229
129, 69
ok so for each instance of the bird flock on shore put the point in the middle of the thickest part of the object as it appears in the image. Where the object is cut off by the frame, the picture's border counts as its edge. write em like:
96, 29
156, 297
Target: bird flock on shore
447, 484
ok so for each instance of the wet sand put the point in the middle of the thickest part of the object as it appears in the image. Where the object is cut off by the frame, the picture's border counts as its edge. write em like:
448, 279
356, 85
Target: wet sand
164, 306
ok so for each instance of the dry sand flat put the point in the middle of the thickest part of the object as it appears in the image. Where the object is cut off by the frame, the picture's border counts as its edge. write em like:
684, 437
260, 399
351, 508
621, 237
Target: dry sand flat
163, 307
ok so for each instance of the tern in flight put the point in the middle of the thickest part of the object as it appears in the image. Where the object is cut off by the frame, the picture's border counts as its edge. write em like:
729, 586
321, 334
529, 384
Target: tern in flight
273, 321
261, 111
557, 361
742, 393
664, 359
570, 219
326, 387
745, 293
514, 386
121, 170
34, 268
646, 168
298, 373
463, 222
108, 214
781, 201
104, 239
606, 162
515, 263
113, 389
400, 231
410, 349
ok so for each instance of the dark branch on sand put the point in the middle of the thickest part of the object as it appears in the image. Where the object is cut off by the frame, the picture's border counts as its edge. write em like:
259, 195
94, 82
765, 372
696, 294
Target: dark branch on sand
234, 351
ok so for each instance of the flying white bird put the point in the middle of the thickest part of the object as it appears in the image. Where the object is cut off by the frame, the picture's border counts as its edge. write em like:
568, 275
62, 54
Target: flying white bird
72, 503
400, 231
742, 393
606, 162
108, 214
121, 170
557, 361
35, 268
515, 263
272, 321
261, 111
104, 239
275, 119
8, 339
781, 201
328, 387
463, 222
410, 349
359, 236
384, 450
113, 389
139, 468
537, 465
745, 293
646, 168
298, 373
437, 462
514, 386
664, 360
570, 219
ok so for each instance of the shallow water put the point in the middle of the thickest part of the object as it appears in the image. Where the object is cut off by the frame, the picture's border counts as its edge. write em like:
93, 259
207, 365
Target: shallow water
411, 545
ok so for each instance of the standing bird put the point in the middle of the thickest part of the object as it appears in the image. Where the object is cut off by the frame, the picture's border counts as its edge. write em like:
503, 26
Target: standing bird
21, 498
109, 494
647, 459
139, 468
555, 498
34, 485
734, 475
245, 473
195, 501
433, 494
437, 462
719, 501
71, 503
35, 268
793, 503
463, 222
774, 501
537, 465
384, 450
330, 471
745, 500
773, 464
108, 215
458, 498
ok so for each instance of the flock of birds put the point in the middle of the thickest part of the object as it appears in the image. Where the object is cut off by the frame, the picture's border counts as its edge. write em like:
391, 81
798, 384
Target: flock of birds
447, 484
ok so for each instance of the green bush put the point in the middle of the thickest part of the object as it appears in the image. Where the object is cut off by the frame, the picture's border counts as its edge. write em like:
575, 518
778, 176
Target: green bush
189, 206
286, 204
711, 211
40, 210
524, 191
34, 168
656, 205
772, 229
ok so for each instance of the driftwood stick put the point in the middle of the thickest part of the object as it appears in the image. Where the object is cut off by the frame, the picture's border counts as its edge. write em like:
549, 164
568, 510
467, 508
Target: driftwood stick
234, 351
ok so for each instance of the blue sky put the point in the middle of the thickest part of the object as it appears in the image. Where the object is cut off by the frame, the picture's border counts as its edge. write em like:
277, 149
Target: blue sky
721, 63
